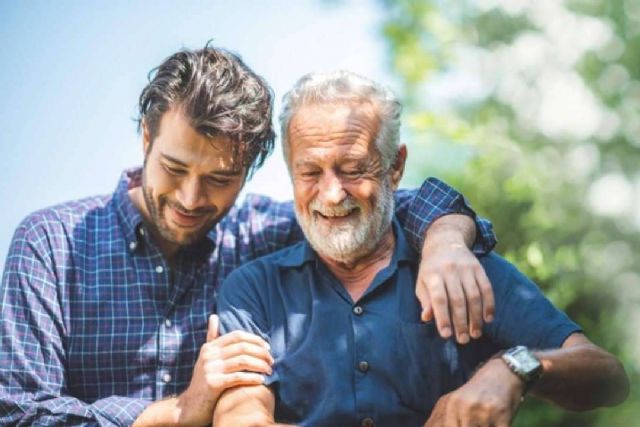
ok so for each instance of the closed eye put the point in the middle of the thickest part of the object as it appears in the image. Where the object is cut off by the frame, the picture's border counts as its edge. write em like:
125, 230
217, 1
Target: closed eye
174, 171
217, 181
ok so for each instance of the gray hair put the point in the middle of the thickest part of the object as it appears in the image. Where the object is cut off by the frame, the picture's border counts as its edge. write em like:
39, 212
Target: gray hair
345, 87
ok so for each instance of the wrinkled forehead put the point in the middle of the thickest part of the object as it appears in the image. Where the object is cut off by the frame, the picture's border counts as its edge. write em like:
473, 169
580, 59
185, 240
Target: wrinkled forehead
334, 116
333, 124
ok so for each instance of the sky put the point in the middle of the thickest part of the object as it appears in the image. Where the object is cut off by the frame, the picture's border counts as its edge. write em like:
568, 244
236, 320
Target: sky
72, 72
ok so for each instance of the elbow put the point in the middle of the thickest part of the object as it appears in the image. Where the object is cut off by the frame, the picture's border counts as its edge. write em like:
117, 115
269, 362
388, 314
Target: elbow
618, 386
613, 388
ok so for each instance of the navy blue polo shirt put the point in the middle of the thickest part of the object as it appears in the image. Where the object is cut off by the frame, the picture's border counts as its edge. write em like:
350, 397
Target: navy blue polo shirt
369, 362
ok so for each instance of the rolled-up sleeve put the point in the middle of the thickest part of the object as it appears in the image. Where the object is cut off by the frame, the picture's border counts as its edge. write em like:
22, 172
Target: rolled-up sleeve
418, 210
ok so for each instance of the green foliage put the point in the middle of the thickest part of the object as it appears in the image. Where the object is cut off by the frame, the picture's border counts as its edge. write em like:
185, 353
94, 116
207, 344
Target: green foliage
532, 181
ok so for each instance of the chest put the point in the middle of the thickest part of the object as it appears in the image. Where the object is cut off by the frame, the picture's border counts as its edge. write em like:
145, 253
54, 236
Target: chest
133, 324
336, 358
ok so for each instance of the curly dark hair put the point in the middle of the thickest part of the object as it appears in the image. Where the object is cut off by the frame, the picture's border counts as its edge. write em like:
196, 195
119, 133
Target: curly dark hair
220, 96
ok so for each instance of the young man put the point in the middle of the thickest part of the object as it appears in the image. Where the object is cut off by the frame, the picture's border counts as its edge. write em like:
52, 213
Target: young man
105, 301
339, 309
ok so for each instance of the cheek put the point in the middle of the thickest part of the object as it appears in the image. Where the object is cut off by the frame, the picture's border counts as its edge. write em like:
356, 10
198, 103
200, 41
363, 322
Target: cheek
364, 192
159, 181
303, 195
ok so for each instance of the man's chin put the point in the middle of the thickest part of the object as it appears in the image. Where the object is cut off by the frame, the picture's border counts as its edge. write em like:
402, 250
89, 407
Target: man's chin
182, 238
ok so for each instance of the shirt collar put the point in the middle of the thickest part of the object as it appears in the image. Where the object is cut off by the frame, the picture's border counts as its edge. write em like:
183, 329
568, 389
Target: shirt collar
303, 252
130, 217
132, 223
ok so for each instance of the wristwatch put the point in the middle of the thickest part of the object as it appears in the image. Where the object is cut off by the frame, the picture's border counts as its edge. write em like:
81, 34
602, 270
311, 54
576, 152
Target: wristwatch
524, 364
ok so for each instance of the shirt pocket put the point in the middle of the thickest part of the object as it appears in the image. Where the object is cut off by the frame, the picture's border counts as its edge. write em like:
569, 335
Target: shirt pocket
423, 362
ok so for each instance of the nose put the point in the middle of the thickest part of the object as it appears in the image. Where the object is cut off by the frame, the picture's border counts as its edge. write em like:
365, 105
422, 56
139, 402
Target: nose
191, 193
331, 191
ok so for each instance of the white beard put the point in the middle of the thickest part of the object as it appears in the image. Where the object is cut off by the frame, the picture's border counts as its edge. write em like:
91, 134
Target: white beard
354, 240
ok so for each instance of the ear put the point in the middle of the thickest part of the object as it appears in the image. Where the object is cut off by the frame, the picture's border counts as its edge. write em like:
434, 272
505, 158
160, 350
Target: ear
397, 168
146, 138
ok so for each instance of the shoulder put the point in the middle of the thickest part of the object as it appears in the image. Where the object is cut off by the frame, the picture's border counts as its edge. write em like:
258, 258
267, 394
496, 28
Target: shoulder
495, 265
504, 276
60, 218
268, 265
262, 273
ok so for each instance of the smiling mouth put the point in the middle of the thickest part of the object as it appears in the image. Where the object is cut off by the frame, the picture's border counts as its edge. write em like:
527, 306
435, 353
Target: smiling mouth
338, 215
185, 220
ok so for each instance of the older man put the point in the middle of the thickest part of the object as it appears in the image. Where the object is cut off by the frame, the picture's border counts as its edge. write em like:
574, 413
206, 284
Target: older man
339, 311
105, 300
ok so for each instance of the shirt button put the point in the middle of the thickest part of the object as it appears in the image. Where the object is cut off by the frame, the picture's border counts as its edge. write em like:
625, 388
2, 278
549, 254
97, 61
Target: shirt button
357, 310
159, 269
167, 378
141, 231
133, 245
367, 422
168, 323
363, 366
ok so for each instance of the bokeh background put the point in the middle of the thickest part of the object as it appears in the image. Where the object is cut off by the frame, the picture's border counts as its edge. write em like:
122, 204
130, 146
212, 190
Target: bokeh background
531, 108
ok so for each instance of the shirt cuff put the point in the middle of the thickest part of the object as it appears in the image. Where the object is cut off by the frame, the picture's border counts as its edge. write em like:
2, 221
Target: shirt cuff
436, 199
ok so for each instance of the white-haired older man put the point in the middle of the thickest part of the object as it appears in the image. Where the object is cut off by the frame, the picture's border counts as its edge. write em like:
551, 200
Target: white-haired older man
339, 309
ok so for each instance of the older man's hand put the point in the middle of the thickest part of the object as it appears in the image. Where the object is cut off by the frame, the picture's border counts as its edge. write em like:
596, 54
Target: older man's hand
489, 399
452, 286
235, 359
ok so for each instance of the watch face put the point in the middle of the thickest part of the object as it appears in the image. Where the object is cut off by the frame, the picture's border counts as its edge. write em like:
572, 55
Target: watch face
527, 362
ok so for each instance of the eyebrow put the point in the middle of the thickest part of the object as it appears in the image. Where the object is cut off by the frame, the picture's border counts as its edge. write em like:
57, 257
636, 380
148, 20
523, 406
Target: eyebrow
223, 172
346, 159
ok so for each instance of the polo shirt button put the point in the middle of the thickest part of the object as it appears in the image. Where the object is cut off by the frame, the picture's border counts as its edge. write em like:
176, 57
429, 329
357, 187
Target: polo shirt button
159, 269
167, 378
357, 310
168, 323
133, 245
367, 422
363, 366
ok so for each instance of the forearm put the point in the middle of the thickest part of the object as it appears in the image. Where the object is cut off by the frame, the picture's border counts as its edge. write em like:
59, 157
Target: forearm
581, 376
115, 411
454, 229
245, 407
161, 413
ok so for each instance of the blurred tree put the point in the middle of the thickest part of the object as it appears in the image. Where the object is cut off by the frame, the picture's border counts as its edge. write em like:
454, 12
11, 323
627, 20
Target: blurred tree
532, 109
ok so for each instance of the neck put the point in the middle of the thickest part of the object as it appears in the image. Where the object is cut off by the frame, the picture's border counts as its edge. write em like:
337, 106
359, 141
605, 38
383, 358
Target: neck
356, 275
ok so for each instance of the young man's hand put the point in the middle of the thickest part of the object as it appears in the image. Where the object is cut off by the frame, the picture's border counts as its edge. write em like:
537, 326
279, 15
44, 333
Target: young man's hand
452, 285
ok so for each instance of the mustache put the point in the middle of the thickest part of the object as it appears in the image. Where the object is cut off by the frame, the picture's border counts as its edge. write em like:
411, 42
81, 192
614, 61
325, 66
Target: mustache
346, 206
188, 212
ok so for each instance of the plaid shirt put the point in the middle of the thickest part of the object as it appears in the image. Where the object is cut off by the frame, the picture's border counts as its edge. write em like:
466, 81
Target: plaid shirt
96, 324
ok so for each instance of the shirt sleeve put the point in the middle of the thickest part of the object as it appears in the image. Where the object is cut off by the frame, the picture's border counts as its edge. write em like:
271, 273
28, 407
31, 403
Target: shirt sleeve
524, 316
241, 306
417, 210
33, 389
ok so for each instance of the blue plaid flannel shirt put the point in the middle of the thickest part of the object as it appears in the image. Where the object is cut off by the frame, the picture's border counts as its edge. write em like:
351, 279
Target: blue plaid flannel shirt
96, 325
